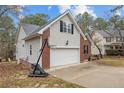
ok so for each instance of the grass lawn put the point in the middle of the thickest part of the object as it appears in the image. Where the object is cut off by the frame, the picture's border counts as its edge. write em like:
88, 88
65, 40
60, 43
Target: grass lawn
13, 76
113, 61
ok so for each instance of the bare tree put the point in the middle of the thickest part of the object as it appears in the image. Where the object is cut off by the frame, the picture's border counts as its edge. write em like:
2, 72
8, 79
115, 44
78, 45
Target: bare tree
86, 22
10, 9
117, 8
117, 24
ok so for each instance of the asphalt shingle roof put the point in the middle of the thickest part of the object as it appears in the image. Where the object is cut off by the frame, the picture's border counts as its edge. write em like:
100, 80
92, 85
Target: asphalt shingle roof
29, 28
111, 34
116, 33
105, 33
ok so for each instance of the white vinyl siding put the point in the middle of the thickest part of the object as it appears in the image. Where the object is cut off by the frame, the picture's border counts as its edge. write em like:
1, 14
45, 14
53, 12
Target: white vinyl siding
58, 38
20, 46
33, 50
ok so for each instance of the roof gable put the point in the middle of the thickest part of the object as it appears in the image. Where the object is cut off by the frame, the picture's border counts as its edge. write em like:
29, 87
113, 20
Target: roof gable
58, 18
28, 28
41, 29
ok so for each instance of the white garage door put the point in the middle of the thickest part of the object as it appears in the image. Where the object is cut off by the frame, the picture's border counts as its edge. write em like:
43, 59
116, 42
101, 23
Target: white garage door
60, 57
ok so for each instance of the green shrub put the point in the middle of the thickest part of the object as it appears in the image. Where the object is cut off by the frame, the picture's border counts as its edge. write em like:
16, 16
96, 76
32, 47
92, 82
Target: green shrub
114, 52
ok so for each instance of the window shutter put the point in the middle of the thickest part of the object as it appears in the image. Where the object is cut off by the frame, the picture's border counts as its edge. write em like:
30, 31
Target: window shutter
61, 26
72, 28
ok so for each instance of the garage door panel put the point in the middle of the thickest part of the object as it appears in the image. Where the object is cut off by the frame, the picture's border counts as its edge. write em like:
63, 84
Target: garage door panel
63, 57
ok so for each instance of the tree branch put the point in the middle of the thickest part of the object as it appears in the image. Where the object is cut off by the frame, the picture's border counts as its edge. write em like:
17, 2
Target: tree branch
3, 12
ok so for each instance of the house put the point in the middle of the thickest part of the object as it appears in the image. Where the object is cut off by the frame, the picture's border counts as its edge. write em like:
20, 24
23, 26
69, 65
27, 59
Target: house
68, 44
110, 42
113, 44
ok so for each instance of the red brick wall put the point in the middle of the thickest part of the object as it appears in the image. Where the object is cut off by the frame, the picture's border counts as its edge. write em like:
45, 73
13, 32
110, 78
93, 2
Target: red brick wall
81, 49
82, 43
46, 51
87, 42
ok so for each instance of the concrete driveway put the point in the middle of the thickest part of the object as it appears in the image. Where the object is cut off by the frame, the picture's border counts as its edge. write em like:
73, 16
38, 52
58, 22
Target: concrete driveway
92, 75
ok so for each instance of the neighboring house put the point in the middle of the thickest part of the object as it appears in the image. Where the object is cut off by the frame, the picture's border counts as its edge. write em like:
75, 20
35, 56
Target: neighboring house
68, 45
113, 43
109, 42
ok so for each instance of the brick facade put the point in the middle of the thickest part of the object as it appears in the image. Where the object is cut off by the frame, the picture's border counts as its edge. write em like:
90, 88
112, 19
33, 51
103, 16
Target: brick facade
87, 42
82, 43
81, 49
46, 51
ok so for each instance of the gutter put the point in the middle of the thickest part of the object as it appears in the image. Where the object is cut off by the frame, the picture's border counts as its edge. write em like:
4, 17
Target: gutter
32, 36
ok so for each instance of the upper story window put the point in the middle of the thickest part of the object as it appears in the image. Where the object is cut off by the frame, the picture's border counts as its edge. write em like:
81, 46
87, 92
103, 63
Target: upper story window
69, 28
64, 27
108, 39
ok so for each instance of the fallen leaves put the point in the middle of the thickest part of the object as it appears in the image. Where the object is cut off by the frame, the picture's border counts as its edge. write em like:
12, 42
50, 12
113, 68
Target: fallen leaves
14, 75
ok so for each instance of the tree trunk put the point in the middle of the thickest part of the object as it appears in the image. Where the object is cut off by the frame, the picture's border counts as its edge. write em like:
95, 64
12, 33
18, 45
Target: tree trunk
101, 56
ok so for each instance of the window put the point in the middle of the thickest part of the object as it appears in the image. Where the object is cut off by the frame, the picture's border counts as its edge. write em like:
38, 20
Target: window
64, 27
120, 47
69, 28
108, 39
111, 47
116, 47
85, 49
30, 49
